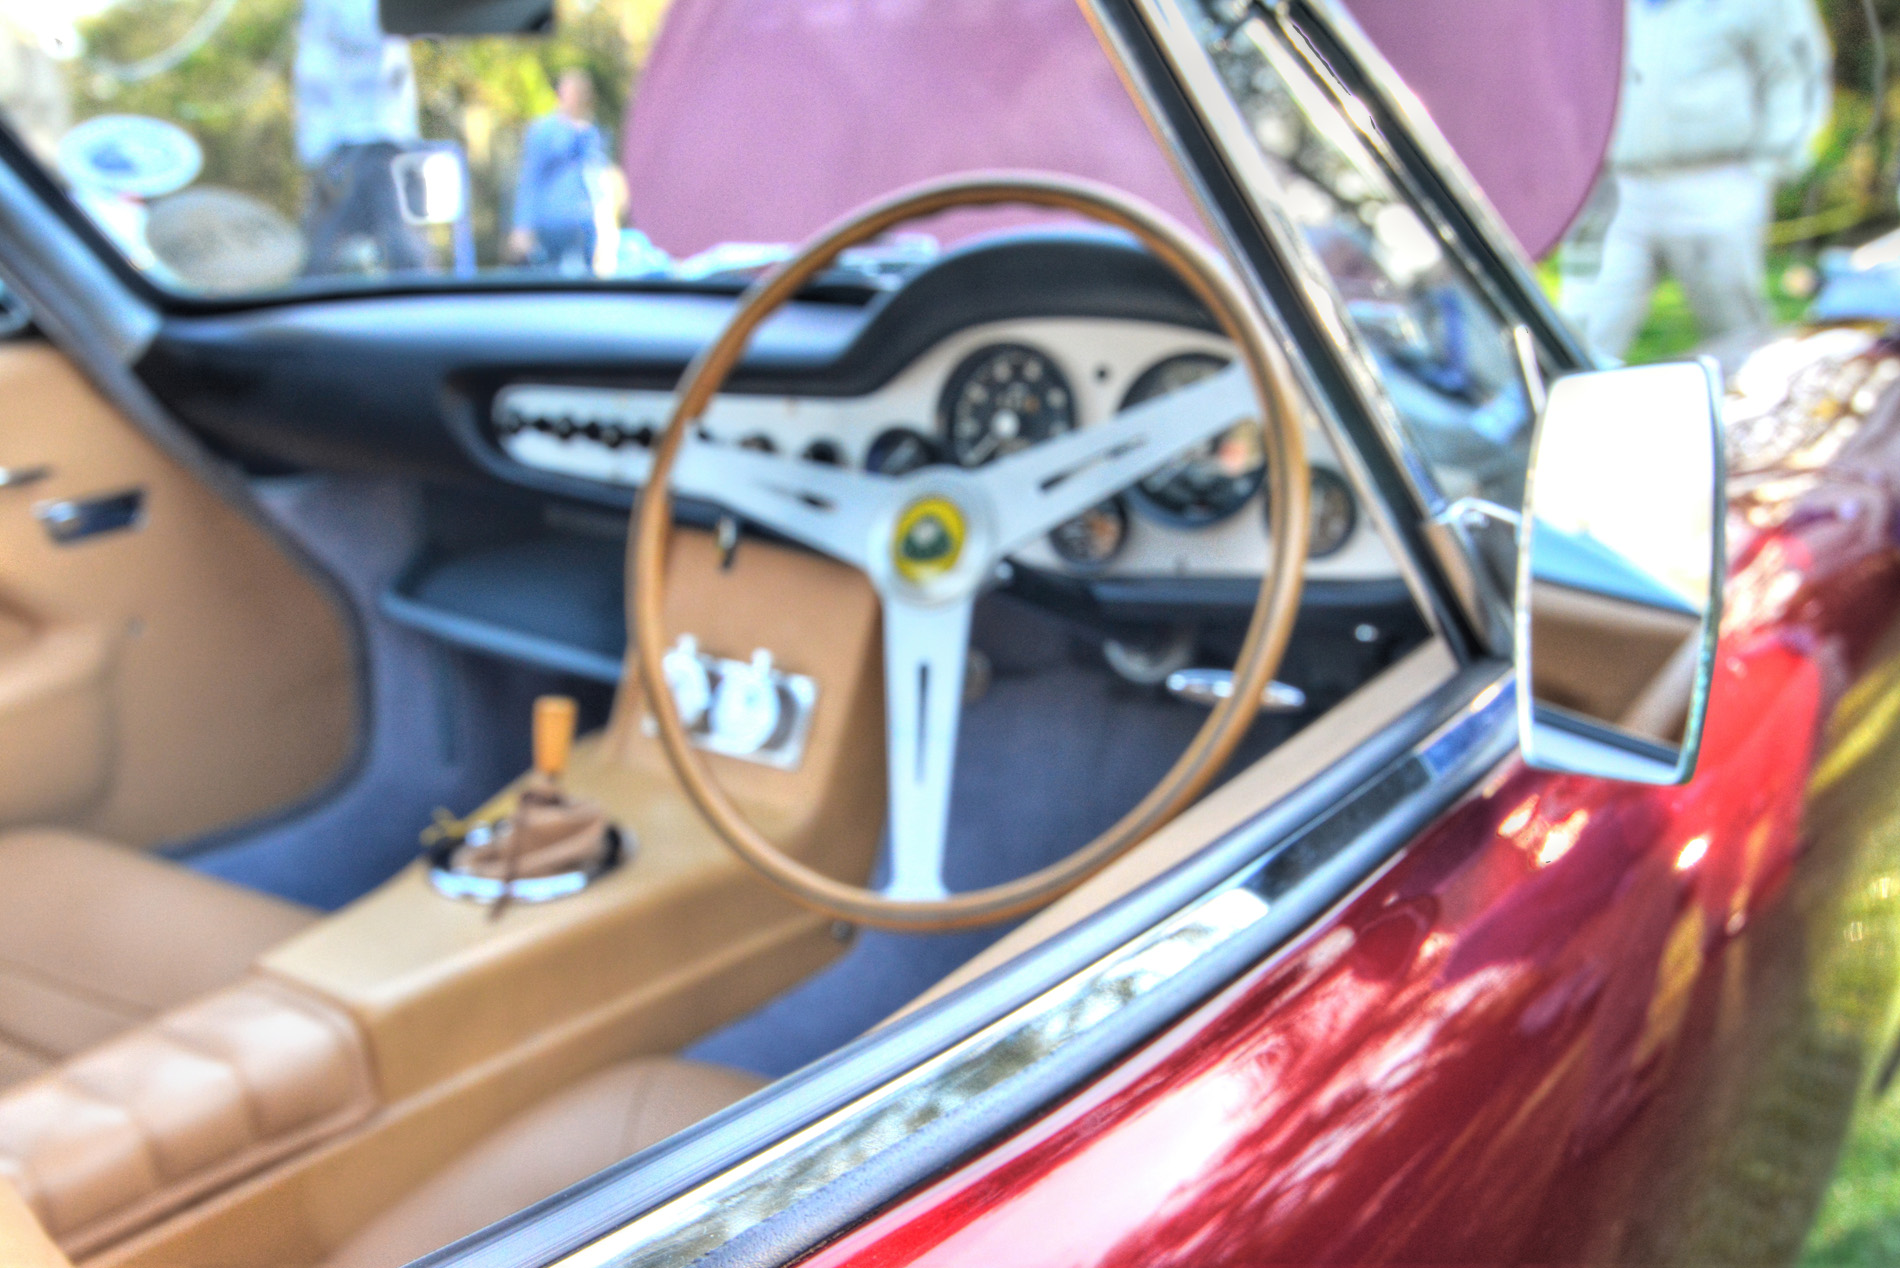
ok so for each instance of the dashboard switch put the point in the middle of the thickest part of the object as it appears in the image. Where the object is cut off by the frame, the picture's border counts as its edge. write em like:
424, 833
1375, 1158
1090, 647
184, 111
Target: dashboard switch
689, 681
746, 711
751, 710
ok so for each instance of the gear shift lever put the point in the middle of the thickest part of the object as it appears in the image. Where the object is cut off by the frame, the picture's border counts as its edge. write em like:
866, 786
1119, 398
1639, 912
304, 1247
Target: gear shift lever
554, 720
550, 844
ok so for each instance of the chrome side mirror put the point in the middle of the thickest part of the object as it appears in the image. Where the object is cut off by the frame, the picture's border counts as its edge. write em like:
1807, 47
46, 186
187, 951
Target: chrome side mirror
1619, 573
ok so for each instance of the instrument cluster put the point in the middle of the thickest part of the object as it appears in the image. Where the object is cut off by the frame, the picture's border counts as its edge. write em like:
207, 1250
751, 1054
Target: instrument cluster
974, 399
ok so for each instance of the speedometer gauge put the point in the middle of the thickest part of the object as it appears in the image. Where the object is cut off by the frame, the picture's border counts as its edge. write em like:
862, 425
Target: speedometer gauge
1002, 398
1210, 481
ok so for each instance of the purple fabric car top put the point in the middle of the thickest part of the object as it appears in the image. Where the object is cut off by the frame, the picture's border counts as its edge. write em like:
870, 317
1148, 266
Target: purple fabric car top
875, 94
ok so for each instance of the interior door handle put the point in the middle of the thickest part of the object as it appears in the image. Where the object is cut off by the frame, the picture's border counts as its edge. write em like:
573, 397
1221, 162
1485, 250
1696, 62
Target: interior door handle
15, 477
79, 518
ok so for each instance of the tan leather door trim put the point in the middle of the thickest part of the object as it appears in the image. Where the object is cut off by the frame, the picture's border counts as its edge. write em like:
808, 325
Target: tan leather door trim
55, 722
160, 680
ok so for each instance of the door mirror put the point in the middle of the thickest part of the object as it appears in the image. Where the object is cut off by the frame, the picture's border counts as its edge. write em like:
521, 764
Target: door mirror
1619, 574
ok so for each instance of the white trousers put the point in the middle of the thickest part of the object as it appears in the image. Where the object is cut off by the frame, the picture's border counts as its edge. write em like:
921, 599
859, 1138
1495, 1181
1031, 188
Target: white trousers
1707, 228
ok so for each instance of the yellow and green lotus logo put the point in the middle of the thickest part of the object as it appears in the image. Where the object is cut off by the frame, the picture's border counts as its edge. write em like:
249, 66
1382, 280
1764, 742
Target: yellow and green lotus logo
929, 539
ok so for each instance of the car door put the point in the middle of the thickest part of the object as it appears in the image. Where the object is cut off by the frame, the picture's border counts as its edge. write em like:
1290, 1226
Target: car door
167, 665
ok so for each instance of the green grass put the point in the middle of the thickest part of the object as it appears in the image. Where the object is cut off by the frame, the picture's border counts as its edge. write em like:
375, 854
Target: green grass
1860, 1220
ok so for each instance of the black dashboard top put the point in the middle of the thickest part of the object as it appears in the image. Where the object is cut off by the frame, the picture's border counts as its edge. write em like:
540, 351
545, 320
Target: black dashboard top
399, 383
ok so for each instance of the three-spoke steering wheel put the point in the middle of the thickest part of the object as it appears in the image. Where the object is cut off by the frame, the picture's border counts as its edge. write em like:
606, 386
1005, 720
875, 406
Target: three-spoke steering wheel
929, 541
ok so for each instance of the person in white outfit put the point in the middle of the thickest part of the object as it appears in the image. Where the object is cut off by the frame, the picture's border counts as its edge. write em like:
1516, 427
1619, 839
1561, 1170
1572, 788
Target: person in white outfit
1721, 100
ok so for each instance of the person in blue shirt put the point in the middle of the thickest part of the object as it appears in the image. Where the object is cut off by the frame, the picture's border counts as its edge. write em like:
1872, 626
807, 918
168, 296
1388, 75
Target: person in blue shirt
563, 163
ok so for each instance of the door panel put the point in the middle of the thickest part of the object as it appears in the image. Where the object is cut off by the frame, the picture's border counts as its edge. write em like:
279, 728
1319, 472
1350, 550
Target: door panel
164, 677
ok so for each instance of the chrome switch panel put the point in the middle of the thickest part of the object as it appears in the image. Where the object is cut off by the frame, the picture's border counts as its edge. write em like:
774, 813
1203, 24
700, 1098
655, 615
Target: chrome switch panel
751, 710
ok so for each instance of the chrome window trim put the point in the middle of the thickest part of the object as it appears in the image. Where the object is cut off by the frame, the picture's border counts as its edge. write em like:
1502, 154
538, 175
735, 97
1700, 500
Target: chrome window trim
1201, 81
746, 1188
73, 294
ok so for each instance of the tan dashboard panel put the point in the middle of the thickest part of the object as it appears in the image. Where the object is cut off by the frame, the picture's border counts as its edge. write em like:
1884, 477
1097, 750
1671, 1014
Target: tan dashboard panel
817, 617
162, 679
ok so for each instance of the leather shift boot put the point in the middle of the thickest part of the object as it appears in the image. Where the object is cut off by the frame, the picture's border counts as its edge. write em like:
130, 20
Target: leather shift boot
548, 833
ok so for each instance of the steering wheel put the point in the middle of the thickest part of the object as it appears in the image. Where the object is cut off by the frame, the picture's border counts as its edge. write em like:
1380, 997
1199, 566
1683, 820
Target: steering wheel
930, 540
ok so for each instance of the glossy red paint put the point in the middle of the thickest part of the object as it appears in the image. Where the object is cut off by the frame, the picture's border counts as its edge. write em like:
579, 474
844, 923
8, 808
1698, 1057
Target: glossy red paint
1545, 1032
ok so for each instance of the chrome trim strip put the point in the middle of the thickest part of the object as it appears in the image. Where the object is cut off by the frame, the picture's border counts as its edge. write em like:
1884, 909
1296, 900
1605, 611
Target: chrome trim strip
784, 1198
1323, 303
1297, 33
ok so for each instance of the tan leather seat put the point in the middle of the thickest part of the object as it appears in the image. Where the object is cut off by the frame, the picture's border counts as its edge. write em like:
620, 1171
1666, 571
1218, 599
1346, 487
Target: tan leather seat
96, 938
563, 1140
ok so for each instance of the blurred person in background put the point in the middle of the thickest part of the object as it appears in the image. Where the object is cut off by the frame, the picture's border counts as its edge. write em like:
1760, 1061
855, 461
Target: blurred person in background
355, 92
1722, 99
563, 186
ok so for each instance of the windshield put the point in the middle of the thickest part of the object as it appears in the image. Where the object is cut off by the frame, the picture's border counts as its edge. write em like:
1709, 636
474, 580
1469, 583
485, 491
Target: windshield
232, 147
1441, 345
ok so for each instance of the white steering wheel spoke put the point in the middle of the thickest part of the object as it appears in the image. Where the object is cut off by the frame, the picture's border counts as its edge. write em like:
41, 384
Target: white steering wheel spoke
1051, 483
925, 647
827, 509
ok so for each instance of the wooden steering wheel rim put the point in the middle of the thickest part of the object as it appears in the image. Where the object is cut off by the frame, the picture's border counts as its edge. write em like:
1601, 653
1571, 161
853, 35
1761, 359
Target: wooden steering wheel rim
1268, 630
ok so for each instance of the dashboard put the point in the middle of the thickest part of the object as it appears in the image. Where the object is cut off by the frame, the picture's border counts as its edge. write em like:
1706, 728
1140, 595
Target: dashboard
983, 391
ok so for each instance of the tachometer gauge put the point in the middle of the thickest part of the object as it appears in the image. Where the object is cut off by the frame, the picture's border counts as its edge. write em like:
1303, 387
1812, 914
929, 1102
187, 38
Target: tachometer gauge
1092, 538
900, 451
1002, 398
1212, 480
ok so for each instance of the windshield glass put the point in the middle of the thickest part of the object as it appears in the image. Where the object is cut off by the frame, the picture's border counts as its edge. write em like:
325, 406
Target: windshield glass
1443, 351
232, 147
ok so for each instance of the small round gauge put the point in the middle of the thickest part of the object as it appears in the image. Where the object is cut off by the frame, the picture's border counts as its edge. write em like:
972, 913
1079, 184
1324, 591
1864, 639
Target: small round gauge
1092, 538
1334, 514
1212, 480
900, 451
1002, 398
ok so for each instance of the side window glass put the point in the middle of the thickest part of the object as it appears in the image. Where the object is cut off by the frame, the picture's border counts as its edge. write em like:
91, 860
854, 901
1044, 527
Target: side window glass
1443, 353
